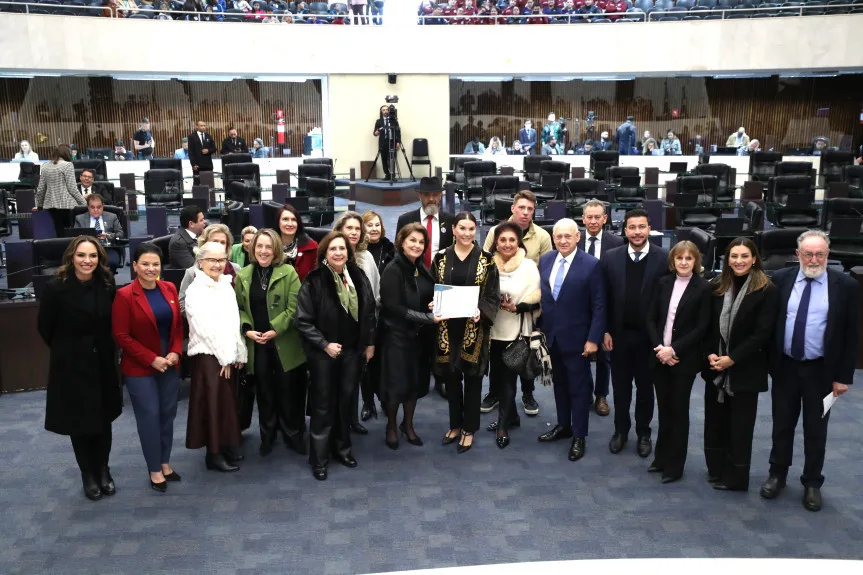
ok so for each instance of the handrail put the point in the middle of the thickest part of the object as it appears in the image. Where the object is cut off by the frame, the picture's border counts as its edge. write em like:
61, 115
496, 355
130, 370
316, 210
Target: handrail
27, 7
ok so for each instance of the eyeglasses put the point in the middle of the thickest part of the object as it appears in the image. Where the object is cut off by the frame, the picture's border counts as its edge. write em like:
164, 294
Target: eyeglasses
214, 261
811, 255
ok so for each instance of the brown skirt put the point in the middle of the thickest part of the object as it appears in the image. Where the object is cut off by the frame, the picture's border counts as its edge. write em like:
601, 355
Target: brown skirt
213, 421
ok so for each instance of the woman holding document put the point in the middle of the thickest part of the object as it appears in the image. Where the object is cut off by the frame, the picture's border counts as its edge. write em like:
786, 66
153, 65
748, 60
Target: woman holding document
462, 349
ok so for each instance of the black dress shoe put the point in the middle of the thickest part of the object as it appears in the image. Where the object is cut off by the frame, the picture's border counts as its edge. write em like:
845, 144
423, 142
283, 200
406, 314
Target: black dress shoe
359, 429
670, 478
347, 460
106, 482
369, 410
812, 498
91, 487
514, 423
502, 441
416, 439
772, 487
319, 472
618, 440
644, 447
654, 467
576, 451
160, 487
173, 476
217, 461
557, 432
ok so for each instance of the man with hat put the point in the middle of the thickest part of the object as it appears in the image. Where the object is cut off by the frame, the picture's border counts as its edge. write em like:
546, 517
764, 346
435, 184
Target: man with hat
438, 225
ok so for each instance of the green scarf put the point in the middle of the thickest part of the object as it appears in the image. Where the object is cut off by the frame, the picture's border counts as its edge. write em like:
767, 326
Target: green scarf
347, 292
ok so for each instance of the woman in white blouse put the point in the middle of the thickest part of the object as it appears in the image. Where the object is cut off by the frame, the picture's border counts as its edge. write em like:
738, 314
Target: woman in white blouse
217, 351
495, 147
26, 154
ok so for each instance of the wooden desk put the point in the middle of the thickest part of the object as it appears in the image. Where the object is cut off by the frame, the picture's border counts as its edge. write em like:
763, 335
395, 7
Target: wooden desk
24, 356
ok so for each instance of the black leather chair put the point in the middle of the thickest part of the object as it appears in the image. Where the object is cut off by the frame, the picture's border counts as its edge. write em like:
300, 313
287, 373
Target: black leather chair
498, 187
725, 176
320, 171
272, 211
761, 165
236, 218
552, 173
247, 172
241, 191
706, 244
578, 191
317, 234
794, 169
832, 164
163, 187
457, 175
624, 193
697, 212
48, 254
777, 247
98, 166
162, 243
235, 159
321, 193
845, 246
601, 161
106, 190
753, 215
502, 210
166, 164
28, 173
531, 166
325, 161
853, 176
779, 188
420, 153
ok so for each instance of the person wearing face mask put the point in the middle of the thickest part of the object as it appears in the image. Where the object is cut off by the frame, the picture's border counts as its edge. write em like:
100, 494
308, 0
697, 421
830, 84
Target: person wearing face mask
26, 153
84, 394
336, 319
267, 293
217, 352
463, 343
813, 354
380, 246
241, 253
300, 250
677, 321
738, 139
742, 320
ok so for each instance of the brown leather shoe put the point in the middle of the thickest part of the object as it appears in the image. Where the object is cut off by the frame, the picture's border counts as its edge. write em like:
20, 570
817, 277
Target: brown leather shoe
600, 406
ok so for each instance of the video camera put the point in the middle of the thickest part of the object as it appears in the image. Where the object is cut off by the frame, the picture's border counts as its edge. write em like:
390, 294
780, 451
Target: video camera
393, 113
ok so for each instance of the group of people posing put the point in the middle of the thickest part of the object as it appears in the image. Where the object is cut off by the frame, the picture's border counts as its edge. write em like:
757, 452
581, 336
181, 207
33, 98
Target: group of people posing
310, 327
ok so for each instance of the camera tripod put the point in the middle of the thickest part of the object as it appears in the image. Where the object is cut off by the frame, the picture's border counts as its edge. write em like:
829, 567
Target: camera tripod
388, 133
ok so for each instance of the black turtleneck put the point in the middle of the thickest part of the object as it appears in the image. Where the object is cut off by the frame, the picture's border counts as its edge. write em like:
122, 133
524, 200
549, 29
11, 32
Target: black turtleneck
376, 250
258, 297
737, 283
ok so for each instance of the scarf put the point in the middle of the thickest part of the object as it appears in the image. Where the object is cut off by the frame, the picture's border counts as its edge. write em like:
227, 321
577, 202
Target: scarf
291, 251
730, 305
346, 291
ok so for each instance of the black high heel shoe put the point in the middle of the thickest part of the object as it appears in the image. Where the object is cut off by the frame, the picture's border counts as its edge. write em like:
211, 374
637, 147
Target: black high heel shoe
461, 446
160, 487
502, 441
391, 444
369, 411
447, 439
416, 439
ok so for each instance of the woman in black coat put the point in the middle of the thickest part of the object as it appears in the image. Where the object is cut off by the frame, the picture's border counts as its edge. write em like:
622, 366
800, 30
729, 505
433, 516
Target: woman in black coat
678, 317
84, 394
336, 319
406, 335
743, 317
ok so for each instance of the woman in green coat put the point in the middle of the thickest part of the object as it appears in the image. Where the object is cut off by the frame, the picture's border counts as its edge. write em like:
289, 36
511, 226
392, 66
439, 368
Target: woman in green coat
267, 296
240, 252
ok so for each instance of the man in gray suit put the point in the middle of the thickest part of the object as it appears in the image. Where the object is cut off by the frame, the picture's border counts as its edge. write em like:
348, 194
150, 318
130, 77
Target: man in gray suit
104, 223
181, 246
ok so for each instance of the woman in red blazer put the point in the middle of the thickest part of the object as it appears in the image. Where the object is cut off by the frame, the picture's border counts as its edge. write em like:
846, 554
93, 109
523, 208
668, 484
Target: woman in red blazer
148, 328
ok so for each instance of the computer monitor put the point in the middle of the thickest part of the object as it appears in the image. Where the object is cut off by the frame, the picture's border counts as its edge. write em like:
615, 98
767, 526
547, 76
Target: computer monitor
726, 151
677, 167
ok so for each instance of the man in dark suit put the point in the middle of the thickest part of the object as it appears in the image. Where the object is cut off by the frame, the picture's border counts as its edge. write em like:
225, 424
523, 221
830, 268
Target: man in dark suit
86, 180
603, 144
201, 149
104, 223
573, 318
631, 274
814, 354
598, 243
389, 135
438, 224
527, 138
181, 246
625, 136
233, 144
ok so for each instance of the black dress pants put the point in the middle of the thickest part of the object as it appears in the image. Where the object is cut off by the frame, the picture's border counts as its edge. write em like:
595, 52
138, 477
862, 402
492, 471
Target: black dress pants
62, 220
503, 380
630, 359
384, 149
279, 408
728, 430
92, 451
331, 399
672, 399
800, 382
464, 400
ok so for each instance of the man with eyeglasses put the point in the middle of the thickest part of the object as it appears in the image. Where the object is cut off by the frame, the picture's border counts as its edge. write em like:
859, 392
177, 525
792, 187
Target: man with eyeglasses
815, 353
598, 241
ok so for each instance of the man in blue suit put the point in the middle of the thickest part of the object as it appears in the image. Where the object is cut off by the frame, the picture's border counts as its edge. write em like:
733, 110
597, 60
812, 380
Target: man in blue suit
625, 137
527, 137
573, 321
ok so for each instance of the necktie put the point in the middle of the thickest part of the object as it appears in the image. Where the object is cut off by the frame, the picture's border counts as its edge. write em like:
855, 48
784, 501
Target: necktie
637, 256
798, 336
428, 256
558, 279
201, 135
98, 227
86, 191
591, 250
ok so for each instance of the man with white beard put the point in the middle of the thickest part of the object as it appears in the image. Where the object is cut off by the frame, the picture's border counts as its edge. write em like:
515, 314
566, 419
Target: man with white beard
815, 352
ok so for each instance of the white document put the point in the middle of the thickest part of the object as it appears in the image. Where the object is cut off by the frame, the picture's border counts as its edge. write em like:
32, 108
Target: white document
829, 400
455, 301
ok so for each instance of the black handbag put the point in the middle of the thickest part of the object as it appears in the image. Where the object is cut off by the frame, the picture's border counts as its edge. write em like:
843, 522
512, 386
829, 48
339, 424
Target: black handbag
518, 355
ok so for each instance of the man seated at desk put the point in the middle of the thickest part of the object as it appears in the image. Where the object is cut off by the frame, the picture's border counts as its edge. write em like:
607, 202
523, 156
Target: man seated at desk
552, 148
86, 182
183, 153
104, 223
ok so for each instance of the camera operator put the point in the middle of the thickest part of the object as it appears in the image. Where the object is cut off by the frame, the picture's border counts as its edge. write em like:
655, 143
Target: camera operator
389, 136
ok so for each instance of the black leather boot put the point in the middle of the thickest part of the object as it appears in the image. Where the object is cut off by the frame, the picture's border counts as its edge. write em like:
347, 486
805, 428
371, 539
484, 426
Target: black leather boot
106, 482
91, 486
217, 461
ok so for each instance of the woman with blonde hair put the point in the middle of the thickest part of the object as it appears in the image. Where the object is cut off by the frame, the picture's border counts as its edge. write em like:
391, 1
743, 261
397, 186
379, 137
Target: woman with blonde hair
241, 253
220, 234
495, 147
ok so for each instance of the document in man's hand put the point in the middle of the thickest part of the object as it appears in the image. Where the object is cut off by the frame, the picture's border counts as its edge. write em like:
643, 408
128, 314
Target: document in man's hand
829, 400
455, 301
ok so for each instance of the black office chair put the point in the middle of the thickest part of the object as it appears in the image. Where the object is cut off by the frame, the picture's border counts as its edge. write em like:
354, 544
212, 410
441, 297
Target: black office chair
235, 159
777, 247
321, 193
794, 169
531, 166
853, 176
725, 176
236, 218
99, 167
832, 164
697, 211
786, 211
325, 161
502, 210
106, 190
163, 188
761, 165
247, 172
166, 164
320, 171
499, 187
623, 193
317, 234
552, 173
601, 161
578, 191
28, 173
162, 243
245, 192
420, 153
841, 218
706, 244
457, 174
474, 172
753, 216
48, 254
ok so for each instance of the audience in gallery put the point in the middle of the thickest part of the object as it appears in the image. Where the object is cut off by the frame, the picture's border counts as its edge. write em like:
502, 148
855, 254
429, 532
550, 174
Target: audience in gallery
268, 12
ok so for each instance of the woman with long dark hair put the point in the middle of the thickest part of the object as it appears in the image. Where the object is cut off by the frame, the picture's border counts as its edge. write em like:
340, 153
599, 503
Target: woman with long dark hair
300, 249
84, 394
463, 343
745, 304
57, 191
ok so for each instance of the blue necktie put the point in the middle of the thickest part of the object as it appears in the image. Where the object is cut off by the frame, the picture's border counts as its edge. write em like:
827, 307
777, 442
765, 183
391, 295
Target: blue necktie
98, 227
591, 250
637, 256
798, 336
558, 279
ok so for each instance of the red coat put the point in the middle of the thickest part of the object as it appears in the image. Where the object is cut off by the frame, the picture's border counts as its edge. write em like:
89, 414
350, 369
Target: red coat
136, 332
306, 256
